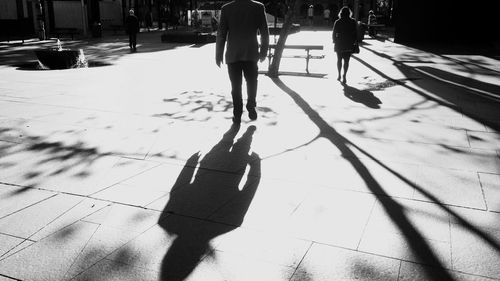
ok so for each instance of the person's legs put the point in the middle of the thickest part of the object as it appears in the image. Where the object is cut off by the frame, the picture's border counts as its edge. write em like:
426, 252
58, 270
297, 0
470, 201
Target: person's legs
339, 64
251, 72
235, 75
130, 41
346, 57
134, 41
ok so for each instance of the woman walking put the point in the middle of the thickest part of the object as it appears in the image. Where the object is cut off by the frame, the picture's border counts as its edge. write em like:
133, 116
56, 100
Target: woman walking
344, 37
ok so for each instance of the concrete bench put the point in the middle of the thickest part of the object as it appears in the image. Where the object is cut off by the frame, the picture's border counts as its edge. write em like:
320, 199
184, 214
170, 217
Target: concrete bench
58, 32
376, 27
306, 48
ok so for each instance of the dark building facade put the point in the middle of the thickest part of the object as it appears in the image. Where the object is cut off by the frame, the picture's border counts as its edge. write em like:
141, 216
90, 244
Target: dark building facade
446, 21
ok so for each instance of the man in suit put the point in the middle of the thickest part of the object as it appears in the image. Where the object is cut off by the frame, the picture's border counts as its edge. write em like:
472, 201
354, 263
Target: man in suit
132, 27
240, 21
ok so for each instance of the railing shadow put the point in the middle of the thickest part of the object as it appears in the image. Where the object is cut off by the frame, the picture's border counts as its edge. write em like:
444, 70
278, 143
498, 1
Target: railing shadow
212, 188
395, 211
487, 90
448, 98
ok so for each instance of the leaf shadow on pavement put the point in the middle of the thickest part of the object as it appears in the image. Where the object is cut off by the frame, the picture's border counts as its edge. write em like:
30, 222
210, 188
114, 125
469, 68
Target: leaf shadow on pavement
210, 197
200, 106
394, 210
47, 158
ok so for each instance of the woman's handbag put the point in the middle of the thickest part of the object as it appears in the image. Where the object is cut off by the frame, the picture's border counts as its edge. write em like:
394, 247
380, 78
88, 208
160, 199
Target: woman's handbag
355, 49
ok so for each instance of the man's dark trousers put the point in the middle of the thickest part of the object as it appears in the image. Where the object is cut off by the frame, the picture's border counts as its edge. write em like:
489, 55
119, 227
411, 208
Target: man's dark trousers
132, 39
250, 70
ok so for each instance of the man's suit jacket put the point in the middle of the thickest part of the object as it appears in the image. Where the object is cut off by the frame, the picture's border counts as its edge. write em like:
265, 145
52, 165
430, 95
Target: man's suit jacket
239, 22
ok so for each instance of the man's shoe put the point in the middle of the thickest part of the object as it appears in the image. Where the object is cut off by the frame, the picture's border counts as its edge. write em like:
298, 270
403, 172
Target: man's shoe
252, 114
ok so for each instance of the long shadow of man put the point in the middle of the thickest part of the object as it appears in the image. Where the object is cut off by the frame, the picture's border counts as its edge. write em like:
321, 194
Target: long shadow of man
207, 201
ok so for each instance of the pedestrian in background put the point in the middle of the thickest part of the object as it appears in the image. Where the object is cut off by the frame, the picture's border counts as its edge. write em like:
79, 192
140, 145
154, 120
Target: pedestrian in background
344, 37
372, 19
239, 23
326, 16
310, 14
132, 28
149, 19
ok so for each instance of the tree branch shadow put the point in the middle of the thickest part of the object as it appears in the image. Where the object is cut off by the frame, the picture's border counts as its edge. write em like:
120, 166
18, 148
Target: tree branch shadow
395, 211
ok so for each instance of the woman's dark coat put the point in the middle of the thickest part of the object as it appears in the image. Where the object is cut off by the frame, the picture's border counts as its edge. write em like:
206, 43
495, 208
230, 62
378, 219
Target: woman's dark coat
344, 34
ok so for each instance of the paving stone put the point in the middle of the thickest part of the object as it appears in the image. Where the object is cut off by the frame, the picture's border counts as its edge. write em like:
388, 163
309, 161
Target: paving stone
159, 204
83, 118
399, 246
171, 145
224, 266
483, 140
7, 243
454, 121
16, 109
124, 217
411, 271
428, 133
429, 220
122, 170
51, 257
160, 178
474, 255
332, 217
23, 245
475, 218
454, 187
115, 142
408, 230
113, 270
104, 241
15, 198
485, 161
284, 129
491, 188
29, 221
70, 171
395, 179
266, 246
130, 195
324, 262
271, 206
76, 213
179, 243
442, 156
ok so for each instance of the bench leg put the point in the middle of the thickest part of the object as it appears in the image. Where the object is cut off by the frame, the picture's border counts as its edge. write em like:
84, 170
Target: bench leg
307, 62
269, 56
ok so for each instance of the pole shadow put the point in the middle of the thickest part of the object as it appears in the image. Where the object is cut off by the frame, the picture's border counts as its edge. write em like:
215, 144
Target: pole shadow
210, 197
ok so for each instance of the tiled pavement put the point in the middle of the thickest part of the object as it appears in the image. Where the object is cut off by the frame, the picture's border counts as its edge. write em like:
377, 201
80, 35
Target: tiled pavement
133, 171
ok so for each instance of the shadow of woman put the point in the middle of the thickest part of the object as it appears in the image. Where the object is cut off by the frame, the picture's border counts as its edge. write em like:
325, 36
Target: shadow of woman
362, 96
207, 201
